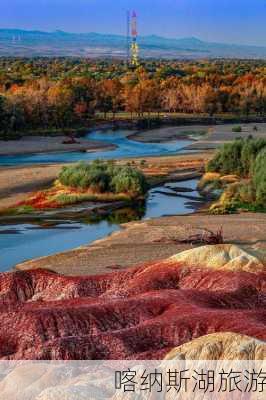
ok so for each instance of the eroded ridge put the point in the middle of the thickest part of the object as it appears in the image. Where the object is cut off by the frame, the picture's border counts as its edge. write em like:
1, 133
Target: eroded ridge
139, 313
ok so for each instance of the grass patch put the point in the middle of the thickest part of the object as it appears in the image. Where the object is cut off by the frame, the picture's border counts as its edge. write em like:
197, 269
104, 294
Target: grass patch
237, 129
64, 199
19, 210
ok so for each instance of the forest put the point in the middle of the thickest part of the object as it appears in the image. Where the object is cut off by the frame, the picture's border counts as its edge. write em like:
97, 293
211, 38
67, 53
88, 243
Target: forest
60, 93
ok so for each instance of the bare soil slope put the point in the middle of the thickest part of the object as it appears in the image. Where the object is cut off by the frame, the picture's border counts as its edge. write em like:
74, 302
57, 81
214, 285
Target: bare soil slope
139, 313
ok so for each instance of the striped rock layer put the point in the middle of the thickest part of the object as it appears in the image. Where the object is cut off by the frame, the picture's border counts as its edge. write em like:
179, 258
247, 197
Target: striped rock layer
139, 313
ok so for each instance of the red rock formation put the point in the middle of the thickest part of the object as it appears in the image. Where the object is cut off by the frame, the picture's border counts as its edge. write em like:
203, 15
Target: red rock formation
140, 313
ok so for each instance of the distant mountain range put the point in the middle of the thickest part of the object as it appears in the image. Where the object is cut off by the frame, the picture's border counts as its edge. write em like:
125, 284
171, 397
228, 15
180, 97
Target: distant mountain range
22, 43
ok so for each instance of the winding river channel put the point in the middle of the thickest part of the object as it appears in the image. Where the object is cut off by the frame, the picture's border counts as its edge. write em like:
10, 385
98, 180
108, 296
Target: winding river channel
26, 239
125, 148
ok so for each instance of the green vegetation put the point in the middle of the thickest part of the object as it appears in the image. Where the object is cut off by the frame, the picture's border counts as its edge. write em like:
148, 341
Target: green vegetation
246, 161
237, 157
259, 178
104, 177
237, 129
65, 199
97, 182
128, 180
19, 210
95, 176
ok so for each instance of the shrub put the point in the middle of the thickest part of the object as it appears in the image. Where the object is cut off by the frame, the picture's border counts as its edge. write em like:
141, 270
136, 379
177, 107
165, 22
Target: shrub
251, 148
237, 129
246, 193
247, 158
102, 177
231, 193
227, 160
237, 157
129, 180
207, 179
85, 176
222, 209
259, 178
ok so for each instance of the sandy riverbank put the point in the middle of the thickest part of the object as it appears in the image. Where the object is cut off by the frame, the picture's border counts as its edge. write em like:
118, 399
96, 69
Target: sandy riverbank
149, 240
153, 240
214, 135
49, 144
16, 183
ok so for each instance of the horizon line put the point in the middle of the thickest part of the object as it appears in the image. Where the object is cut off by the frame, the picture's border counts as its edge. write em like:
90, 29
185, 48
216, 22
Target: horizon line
140, 36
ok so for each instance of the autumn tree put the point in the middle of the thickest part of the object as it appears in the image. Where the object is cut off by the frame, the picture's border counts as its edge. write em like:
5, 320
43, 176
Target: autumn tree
109, 96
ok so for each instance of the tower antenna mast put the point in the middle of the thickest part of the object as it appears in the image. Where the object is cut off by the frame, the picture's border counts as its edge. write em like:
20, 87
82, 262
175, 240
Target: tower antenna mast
128, 37
134, 44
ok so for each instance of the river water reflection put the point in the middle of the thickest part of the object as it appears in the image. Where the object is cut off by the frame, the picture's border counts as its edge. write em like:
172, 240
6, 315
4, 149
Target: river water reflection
32, 239
125, 148
24, 241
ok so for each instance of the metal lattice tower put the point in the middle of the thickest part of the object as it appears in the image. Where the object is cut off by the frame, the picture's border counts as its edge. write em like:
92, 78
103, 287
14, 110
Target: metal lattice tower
128, 38
134, 43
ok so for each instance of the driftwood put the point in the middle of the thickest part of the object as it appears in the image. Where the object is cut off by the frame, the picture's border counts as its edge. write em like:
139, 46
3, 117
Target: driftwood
183, 196
205, 237
180, 189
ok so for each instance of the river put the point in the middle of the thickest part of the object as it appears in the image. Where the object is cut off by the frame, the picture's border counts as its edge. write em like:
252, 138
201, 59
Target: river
126, 148
24, 241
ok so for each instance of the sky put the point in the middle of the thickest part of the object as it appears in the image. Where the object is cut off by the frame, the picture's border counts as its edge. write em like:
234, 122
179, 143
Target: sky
228, 21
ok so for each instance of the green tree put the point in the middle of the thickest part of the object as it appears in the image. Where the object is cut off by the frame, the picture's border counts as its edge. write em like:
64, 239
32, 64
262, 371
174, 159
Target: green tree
259, 178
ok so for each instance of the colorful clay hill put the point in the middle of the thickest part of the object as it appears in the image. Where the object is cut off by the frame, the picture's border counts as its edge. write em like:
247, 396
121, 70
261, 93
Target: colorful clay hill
139, 313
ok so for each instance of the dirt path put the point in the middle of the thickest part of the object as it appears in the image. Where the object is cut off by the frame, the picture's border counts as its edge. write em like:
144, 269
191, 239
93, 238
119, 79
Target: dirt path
153, 240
